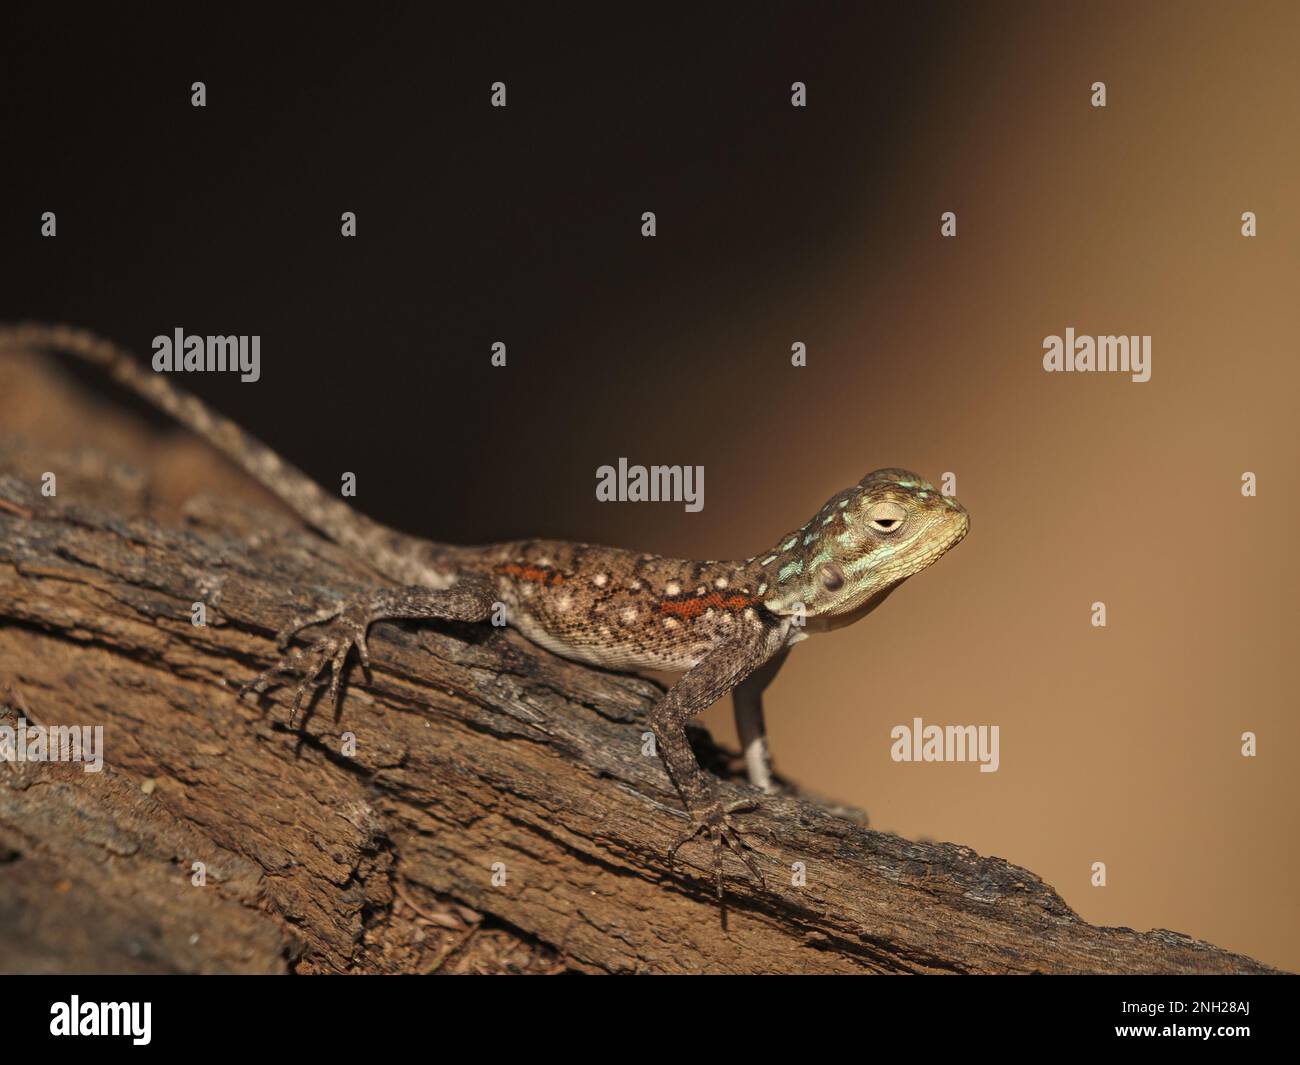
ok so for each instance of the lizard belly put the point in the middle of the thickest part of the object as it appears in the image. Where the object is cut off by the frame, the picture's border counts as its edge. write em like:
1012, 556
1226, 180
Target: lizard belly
608, 652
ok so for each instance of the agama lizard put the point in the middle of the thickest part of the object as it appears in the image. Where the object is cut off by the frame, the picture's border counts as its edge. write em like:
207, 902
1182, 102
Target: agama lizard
726, 626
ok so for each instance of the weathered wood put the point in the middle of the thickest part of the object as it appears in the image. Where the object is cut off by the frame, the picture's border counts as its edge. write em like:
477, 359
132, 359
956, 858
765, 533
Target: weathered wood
472, 748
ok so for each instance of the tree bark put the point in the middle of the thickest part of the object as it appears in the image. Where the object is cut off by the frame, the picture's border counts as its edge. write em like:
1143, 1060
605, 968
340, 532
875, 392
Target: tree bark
485, 770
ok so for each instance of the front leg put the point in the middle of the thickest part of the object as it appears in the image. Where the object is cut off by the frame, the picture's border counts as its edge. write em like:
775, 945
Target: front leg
469, 599
725, 666
748, 705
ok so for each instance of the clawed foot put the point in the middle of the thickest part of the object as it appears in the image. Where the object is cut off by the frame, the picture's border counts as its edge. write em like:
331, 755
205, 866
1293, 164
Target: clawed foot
716, 820
349, 631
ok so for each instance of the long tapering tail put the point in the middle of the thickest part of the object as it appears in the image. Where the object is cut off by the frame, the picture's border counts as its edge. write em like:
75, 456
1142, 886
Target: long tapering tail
393, 554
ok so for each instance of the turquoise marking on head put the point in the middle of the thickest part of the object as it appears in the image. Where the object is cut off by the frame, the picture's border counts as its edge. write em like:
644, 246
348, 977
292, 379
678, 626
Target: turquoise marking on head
872, 558
790, 569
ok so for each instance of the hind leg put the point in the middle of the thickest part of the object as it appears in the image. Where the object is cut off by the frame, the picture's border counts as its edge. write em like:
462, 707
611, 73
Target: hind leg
470, 599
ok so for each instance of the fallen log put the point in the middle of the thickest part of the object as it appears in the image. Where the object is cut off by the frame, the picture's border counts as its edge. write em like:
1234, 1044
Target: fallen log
474, 775
474, 765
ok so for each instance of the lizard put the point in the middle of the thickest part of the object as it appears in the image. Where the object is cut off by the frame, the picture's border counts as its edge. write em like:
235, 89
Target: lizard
725, 626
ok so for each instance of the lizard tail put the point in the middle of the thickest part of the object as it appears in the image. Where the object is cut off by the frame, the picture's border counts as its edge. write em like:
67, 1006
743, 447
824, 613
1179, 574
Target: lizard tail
391, 553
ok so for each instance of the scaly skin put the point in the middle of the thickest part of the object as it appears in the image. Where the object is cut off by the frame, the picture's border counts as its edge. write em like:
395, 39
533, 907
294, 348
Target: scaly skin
726, 626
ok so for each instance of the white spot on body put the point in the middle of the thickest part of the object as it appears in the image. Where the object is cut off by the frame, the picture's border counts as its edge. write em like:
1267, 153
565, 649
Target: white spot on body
629, 615
721, 582
600, 580
673, 588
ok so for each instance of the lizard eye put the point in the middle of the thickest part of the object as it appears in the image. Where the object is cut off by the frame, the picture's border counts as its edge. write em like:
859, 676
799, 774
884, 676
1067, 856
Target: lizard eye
832, 577
886, 517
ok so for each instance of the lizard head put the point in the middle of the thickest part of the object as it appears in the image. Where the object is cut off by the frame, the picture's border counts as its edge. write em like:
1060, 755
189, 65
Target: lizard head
863, 543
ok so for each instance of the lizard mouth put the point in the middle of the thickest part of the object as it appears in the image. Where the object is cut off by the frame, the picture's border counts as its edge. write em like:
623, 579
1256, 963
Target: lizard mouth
955, 536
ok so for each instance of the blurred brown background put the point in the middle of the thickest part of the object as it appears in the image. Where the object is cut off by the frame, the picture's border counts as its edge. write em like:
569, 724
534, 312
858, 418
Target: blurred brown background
1120, 744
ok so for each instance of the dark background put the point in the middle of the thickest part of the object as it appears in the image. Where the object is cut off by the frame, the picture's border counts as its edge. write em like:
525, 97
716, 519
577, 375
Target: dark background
1120, 744
475, 224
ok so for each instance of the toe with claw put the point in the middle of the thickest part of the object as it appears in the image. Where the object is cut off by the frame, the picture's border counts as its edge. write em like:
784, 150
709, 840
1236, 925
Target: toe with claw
349, 627
715, 819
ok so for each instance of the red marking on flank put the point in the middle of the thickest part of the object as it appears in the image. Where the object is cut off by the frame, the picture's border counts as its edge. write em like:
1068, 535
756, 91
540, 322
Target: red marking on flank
697, 605
532, 573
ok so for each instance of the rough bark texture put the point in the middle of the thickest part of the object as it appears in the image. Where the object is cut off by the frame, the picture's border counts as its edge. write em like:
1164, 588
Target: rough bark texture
473, 750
